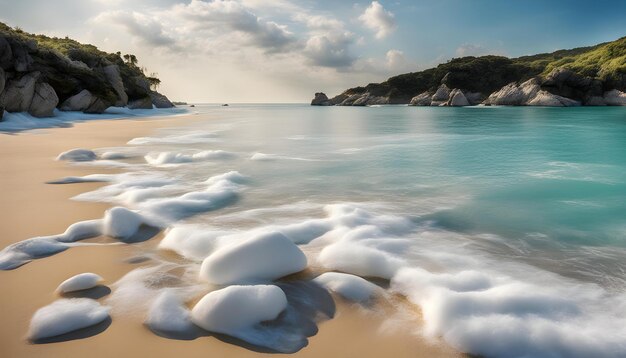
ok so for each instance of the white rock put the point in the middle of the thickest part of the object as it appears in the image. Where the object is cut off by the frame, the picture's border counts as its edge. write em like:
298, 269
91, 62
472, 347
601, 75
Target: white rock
615, 98
544, 98
234, 309
457, 99
351, 287
64, 316
262, 257
422, 99
83, 281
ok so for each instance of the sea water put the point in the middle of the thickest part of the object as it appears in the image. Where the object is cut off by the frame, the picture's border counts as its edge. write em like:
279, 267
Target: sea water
505, 225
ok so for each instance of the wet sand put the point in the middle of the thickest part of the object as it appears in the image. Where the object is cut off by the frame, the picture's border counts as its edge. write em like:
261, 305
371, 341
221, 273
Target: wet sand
29, 208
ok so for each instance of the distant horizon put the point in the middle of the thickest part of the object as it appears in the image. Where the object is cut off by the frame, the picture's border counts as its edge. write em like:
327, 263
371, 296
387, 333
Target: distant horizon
257, 52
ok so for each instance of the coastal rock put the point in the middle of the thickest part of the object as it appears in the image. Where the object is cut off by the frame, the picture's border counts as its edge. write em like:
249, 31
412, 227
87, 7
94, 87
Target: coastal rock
84, 101
142, 103
142, 83
545, 98
78, 102
337, 100
595, 101
1, 113
2, 80
567, 83
97, 106
474, 98
160, 101
422, 99
615, 98
441, 96
112, 73
457, 99
362, 101
6, 54
22, 61
320, 100
514, 94
44, 101
348, 101
18, 94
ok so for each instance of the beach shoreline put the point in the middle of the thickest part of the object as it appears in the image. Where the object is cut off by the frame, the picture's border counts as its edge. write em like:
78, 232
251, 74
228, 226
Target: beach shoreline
33, 208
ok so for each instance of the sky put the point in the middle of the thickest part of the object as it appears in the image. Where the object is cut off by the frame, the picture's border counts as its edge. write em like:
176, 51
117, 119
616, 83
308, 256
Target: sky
280, 51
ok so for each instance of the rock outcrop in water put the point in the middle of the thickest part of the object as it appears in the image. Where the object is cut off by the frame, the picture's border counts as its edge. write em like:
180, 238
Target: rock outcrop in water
39, 74
590, 76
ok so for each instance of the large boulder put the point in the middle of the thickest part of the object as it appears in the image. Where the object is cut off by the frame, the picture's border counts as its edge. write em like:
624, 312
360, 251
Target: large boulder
348, 101
44, 101
514, 94
457, 99
320, 100
567, 83
547, 99
160, 101
78, 102
422, 99
6, 54
18, 93
84, 101
615, 98
141, 103
2, 79
112, 74
441, 96
22, 61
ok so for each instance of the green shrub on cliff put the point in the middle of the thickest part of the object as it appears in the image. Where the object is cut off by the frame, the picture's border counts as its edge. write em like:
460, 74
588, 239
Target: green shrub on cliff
70, 66
486, 74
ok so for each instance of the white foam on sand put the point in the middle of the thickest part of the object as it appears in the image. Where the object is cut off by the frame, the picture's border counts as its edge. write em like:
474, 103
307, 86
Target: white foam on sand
192, 241
78, 155
121, 223
19, 121
239, 310
502, 317
118, 222
64, 316
191, 138
263, 157
165, 158
351, 287
260, 257
168, 314
83, 281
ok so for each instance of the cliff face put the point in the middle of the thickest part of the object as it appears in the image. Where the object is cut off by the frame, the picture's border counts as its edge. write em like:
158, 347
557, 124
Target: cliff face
39, 74
584, 76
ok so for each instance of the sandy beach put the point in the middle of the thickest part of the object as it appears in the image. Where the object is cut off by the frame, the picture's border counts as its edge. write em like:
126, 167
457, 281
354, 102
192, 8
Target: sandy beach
32, 208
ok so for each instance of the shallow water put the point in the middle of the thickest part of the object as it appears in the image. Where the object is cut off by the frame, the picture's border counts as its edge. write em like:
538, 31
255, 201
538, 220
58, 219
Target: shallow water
505, 225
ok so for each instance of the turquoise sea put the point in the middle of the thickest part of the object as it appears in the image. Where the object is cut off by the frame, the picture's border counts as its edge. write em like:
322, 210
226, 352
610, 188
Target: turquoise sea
506, 226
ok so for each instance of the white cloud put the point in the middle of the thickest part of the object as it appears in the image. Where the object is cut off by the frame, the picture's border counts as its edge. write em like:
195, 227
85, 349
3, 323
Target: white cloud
379, 20
330, 50
145, 28
223, 16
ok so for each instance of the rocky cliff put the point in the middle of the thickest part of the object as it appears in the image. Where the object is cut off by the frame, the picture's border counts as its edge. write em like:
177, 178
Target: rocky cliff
591, 76
39, 74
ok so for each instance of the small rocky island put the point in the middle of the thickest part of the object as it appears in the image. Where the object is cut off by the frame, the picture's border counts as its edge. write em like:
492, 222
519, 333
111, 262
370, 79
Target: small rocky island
39, 73
588, 76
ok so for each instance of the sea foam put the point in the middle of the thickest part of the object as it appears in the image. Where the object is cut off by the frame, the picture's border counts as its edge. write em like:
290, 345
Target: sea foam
64, 316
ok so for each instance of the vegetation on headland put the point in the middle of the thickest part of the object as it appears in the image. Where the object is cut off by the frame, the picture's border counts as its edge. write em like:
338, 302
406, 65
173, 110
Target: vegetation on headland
70, 67
605, 62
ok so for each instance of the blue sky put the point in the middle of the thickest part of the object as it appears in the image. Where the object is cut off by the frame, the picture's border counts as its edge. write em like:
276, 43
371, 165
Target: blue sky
284, 50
